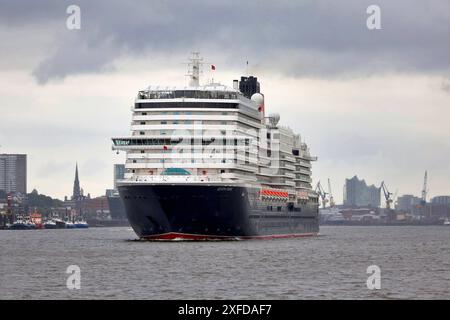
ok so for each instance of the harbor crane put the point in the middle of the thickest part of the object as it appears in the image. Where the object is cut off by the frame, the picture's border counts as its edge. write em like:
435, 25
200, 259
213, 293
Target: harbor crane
424, 189
330, 194
322, 194
395, 197
387, 195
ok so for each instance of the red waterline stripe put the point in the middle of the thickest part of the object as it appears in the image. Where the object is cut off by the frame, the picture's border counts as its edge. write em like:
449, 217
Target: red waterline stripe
189, 236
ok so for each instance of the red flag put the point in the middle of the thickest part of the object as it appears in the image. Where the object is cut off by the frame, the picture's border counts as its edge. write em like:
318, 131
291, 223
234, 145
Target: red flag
165, 147
213, 67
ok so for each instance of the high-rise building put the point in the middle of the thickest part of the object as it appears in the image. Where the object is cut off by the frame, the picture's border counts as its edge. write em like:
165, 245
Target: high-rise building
358, 194
13, 173
119, 173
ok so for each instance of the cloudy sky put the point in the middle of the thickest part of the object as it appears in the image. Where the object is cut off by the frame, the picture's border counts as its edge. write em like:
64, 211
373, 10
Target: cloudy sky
375, 103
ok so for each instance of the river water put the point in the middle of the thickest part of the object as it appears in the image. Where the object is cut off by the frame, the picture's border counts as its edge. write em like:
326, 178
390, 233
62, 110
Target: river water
414, 264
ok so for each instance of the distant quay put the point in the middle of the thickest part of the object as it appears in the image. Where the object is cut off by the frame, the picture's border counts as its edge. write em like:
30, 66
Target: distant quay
378, 224
99, 223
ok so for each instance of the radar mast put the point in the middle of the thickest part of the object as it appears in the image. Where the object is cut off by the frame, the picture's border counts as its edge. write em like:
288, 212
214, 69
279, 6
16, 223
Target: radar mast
194, 69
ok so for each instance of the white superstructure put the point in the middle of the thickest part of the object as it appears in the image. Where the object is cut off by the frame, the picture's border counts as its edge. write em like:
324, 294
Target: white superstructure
212, 134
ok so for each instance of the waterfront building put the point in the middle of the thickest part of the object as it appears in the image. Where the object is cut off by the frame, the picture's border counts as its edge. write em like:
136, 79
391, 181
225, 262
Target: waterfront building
407, 203
358, 194
78, 200
97, 207
443, 200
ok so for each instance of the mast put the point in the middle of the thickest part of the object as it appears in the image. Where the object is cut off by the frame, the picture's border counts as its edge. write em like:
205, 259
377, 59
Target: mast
194, 72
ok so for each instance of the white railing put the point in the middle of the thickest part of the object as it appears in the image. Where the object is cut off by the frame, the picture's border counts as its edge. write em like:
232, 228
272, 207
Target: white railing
175, 179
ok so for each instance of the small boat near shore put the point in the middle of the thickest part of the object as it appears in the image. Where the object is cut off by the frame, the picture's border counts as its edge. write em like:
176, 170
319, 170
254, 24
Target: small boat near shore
69, 224
35, 222
50, 224
21, 224
57, 223
60, 224
81, 224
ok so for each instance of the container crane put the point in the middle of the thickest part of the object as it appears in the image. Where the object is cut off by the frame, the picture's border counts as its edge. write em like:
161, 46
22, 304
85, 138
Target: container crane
387, 195
330, 194
322, 194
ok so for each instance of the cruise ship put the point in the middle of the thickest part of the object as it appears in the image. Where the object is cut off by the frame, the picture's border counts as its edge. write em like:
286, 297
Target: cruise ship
205, 162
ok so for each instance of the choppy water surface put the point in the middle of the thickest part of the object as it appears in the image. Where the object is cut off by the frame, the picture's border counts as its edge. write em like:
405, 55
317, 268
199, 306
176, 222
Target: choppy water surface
414, 262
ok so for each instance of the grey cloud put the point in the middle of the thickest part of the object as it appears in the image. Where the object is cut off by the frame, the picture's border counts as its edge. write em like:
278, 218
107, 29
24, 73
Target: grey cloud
75, 57
446, 85
300, 38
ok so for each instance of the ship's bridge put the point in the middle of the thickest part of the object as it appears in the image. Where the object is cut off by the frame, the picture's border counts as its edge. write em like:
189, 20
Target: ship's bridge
211, 91
212, 96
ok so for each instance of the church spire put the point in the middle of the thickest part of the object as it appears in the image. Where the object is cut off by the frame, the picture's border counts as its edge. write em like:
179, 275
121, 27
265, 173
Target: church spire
76, 185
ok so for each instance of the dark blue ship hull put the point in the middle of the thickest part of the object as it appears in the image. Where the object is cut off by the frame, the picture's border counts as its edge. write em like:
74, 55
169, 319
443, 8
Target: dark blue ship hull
21, 226
211, 212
